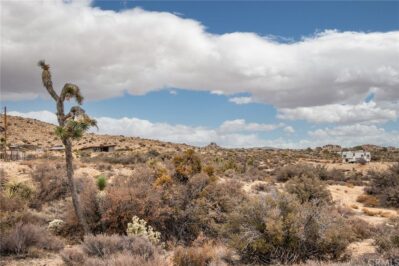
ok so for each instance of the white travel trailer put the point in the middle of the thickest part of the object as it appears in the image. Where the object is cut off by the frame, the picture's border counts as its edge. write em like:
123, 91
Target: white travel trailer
355, 156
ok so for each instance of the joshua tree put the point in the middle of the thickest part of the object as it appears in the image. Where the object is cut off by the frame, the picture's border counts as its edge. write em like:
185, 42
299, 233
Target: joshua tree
70, 126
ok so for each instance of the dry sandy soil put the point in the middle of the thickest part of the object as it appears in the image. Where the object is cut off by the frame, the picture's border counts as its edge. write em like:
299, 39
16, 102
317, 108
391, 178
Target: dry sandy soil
346, 196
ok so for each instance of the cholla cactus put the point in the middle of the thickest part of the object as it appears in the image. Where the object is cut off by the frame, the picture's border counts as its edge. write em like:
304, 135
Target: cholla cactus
138, 227
55, 225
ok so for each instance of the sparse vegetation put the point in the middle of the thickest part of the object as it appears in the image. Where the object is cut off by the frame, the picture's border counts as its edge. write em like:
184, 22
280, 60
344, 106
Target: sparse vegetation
385, 186
198, 206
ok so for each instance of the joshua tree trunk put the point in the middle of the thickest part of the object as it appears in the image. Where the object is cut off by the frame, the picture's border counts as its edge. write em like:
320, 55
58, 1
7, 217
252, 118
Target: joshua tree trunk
72, 186
68, 91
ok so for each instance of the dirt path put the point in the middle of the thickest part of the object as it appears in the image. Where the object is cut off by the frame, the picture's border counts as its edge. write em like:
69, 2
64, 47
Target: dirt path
346, 196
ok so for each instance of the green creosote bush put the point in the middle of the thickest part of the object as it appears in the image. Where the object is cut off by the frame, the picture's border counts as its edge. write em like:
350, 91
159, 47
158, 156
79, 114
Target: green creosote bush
101, 182
279, 229
308, 188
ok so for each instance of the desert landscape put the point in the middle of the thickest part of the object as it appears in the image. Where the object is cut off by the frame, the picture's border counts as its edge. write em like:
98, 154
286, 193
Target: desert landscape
155, 203
199, 133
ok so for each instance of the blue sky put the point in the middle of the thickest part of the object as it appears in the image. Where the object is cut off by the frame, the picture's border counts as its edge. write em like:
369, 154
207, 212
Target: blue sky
275, 114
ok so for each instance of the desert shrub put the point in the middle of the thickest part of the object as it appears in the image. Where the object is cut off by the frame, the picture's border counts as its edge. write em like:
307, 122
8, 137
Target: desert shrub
203, 252
212, 208
117, 158
125, 259
73, 256
308, 188
90, 202
368, 200
361, 229
101, 182
289, 171
135, 196
296, 170
193, 256
163, 180
209, 170
279, 229
24, 236
10, 204
387, 240
51, 181
186, 165
104, 245
19, 189
113, 250
385, 186
3, 178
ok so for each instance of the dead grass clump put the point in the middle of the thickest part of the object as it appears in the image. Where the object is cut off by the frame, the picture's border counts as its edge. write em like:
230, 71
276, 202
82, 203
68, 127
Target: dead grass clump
24, 236
206, 253
192, 256
368, 200
379, 213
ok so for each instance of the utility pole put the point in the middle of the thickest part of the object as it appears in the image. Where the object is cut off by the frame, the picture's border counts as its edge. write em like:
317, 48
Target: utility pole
5, 133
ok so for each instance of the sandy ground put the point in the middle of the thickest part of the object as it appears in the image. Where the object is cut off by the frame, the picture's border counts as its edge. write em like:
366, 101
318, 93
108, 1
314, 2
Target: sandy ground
362, 247
372, 166
16, 171
346, 196
50, 260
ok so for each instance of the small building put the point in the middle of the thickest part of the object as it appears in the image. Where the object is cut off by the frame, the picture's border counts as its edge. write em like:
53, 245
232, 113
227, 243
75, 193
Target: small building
57, 148
355, 156
99, 148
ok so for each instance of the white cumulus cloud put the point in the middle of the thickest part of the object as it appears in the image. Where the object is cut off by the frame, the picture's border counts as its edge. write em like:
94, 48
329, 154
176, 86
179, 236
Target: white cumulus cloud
241, 100
108, 53
231, 133
357, 134
339, 113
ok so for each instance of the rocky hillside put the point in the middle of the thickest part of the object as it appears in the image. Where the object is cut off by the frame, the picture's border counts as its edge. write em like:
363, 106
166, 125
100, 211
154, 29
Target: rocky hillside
32, 131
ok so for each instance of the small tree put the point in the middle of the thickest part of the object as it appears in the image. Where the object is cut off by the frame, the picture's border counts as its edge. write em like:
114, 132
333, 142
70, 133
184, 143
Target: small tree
70, 126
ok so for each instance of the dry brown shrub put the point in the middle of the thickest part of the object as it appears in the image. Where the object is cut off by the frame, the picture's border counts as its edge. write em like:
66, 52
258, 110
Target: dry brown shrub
368, 200
193, 256
51, 181
113, 250
385, 186
361, 229
73, 256
89, 200
136, 195
125, 259
24, 236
